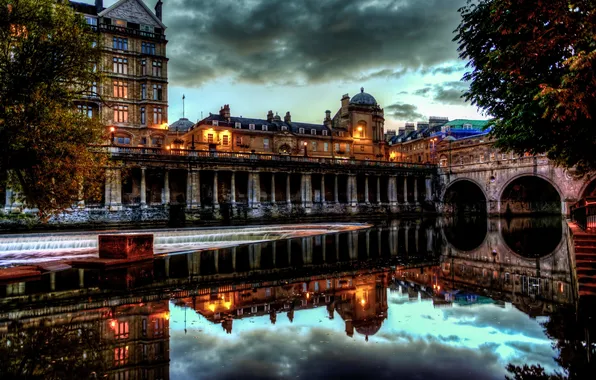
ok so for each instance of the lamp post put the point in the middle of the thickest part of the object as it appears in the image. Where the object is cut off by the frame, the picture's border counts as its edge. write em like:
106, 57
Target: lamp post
305, 152
112, 130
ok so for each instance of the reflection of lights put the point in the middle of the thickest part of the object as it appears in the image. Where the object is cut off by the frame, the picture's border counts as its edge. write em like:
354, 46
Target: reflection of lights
228, 305
362, 302
166, 316
359, 129
212, 307
307, 295
113, 324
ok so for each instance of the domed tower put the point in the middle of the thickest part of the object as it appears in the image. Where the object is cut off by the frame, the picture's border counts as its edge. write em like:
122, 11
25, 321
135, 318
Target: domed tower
365, 123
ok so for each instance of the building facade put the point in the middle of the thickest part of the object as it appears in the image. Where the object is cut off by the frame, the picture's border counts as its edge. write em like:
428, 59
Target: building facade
132, 99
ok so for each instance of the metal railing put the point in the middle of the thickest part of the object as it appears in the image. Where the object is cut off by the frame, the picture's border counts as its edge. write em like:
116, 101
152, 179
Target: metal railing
131, 32
584, 213
249, 157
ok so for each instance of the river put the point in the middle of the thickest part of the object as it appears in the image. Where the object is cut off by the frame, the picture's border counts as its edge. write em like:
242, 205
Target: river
411, 299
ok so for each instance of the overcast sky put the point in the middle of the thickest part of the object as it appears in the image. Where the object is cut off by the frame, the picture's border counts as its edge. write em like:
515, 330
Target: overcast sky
303, 55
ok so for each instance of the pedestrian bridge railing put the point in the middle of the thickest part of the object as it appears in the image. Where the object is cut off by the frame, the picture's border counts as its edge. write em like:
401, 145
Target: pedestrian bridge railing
584, 213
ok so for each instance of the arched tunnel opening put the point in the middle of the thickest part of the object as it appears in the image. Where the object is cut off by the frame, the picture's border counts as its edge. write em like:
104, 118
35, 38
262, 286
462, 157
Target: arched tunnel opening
464, 197
465, 232
530, 195
532, 237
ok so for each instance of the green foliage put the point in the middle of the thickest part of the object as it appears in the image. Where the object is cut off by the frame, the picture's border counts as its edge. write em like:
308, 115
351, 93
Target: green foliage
47, 61
532, 69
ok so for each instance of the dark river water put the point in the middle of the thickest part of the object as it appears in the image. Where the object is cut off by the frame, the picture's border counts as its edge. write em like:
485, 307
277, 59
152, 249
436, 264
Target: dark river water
467, 298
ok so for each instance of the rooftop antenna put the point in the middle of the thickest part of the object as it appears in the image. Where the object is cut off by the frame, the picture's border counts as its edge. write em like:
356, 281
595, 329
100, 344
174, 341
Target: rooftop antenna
201, 115
183, 97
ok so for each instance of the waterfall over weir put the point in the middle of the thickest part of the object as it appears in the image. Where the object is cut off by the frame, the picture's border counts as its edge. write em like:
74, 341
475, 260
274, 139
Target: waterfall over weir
37, 248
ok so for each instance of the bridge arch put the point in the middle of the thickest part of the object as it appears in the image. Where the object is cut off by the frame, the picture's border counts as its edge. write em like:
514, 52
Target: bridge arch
589, 188
464, 195
531, 193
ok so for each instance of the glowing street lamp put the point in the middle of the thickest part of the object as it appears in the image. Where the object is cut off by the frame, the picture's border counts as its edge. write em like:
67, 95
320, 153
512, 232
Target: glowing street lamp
305, 149
112, 130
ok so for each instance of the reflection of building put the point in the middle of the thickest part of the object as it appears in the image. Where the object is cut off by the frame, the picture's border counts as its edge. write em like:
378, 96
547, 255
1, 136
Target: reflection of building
360, 300
128, 341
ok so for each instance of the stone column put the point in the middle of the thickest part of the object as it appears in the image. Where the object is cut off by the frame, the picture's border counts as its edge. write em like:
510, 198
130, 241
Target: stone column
193, 190
379, 189
166, 188
234, 259
216, 260
81, 278
256, 192
306, 190
336, 190
288, 190
250, 190
391, 190
405, 190
366, 200
8, 198
272, 188
323, 189
144, 188
233, 189
113, 195
428, 188
415, 190
215, 191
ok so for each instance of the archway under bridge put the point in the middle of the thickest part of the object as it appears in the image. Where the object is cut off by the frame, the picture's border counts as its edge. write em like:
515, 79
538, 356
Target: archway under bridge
464, 196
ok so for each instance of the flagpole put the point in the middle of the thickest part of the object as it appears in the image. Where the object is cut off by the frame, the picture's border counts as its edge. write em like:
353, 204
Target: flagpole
183, 97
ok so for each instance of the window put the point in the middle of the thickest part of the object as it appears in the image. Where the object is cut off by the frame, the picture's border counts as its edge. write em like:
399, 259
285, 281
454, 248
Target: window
324, 133
225, 140
157, 115
120, 89
148, 48
284, 128
93, 89
237, 125
143, 116
85, 109
143, 67
313, 131
158, 327
267, 292
313, 146
347, 148
120, 355
121, 114
362, 150
144, 327
122, 330
143, 91
336, 147
238, 140
122, 140
265, 143
157, 68
214, 122
326, 147
120, 65
91, 20
341, 134
156, 141
492, 156
120, 43
251, 127
503, 156
143, 140
300, 130
210, 138
157, 93
264, 127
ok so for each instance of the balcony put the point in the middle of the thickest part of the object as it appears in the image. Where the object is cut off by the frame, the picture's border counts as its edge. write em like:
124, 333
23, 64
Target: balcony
235, 158
131, 32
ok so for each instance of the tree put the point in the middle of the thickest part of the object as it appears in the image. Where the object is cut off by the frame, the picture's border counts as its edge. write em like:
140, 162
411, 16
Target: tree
47, 62
532, 69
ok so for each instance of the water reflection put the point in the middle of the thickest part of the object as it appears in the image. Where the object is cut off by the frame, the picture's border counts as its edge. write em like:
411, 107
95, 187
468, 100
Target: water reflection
425, 301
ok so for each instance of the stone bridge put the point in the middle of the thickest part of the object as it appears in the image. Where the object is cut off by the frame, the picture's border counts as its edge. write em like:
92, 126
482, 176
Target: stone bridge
518, 185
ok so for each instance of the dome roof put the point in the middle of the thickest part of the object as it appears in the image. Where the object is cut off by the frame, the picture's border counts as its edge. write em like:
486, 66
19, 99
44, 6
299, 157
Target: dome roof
181, 125
369, 328
363, 99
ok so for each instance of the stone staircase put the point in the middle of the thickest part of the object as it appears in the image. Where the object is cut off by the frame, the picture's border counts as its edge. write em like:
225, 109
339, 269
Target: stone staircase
585, 262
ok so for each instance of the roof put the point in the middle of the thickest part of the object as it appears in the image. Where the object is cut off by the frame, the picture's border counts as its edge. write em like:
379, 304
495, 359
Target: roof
181, 125
363, 99
459, 123
85, 8
140, 3
276, 125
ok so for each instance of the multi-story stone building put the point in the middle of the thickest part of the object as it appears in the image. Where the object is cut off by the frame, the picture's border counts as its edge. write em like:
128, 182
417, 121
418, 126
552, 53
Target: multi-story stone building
132, 99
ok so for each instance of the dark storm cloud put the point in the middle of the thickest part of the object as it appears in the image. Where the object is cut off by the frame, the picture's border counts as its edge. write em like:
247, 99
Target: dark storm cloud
403, 112
445, 93
293, 353
308, 41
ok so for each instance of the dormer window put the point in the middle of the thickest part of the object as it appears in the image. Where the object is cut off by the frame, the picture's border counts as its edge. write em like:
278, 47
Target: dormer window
324, 133
313, 131
467, 126
264, 127
215, 122
284, 128
237, 125
301, 130
251, 127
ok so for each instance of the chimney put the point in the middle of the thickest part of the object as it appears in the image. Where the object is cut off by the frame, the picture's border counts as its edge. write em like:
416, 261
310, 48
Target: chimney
270, 116
288, 117
99, 5
224, 112
158, 7
345, 102
410, 127
327, 121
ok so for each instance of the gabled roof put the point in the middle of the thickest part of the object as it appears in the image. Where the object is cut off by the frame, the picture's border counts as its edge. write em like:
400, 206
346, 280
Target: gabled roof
141, 3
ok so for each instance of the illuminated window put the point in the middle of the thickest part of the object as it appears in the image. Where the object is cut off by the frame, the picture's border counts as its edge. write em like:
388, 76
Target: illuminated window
337, 147
120, 89
362, 150
225, 140
313, 146
121, 330
120, 356
265, 143
326, 147
121, 114
238, 140
347, 148
158, 327
157, 115
210, 138
120, 65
